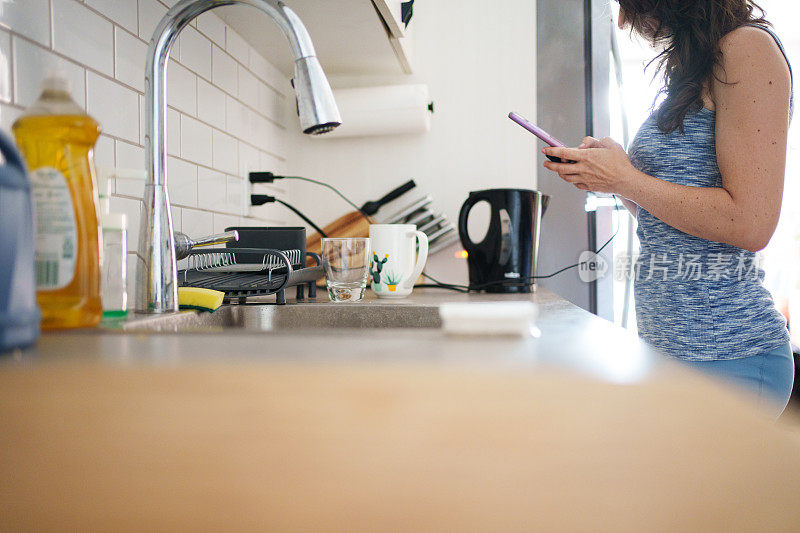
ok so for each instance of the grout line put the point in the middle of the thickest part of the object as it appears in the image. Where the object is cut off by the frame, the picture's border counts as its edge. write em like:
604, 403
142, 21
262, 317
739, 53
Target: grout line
86, 90
12, 78
52, 25
114, 50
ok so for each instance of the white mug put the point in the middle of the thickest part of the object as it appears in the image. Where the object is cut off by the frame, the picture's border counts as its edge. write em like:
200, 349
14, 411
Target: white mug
394, 270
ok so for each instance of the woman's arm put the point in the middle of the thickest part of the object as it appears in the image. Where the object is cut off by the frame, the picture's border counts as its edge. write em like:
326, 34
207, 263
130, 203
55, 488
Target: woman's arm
752, 128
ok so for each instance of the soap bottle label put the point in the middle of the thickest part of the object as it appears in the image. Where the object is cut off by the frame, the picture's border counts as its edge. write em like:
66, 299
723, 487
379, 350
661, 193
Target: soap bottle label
56, 229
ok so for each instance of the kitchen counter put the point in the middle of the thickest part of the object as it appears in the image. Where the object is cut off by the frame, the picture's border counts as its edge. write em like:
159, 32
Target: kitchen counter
584, 427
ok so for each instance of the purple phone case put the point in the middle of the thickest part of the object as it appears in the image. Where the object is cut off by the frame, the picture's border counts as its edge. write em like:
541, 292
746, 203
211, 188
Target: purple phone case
543, 135
536, 130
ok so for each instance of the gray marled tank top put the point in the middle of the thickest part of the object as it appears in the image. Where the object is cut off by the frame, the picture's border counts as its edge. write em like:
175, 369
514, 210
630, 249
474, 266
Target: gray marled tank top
696, 299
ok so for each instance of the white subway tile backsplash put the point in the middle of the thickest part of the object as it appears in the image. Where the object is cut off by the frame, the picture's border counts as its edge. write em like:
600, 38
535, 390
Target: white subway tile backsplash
235, 118
271, 163
5, 67
150, 14
130, 157
173, 132
223, 71
195, 141
123, 12
32, 63
30, 18
224, 221
197, 223
181, 88
129, 57
142, 125
235, 196
212, 27
248, 160
236, 46
177, 222
83, 35
195, 52
248, 85
182, 182
211, 189
225, 153
271, 103
8, 115
210, 104
115, 106
104, 152
269, 73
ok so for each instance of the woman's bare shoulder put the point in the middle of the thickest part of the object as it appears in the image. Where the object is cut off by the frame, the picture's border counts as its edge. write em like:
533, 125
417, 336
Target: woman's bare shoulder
749, 52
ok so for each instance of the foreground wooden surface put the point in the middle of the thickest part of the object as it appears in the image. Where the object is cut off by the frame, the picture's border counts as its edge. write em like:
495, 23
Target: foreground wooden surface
284, 446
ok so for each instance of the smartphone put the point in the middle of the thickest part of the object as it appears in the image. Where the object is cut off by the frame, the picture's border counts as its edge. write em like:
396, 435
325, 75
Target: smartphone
539, 132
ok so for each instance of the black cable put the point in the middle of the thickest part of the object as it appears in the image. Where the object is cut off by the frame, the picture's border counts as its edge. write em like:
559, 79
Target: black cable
523, 282
269, 177
301, 215
261, 199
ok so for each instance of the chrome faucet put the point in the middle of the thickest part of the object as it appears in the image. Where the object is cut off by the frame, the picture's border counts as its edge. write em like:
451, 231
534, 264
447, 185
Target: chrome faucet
156, 269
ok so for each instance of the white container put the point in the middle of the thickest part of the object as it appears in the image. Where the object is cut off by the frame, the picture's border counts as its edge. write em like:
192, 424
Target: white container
515, 319
114, 289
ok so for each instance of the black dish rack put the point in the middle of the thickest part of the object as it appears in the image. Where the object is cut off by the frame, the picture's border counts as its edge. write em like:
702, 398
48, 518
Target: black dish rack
222, 269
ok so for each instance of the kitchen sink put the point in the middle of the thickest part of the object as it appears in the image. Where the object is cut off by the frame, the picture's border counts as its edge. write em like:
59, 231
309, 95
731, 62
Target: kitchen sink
292, 316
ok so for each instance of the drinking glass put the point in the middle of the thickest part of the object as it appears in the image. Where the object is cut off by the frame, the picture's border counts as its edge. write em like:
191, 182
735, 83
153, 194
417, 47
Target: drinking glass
346, 264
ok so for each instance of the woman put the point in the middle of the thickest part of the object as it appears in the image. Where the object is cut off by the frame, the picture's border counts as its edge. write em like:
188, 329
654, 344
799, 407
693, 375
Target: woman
705, 181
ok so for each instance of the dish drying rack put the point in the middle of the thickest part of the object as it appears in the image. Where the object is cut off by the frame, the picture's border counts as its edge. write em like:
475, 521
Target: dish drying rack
233, 271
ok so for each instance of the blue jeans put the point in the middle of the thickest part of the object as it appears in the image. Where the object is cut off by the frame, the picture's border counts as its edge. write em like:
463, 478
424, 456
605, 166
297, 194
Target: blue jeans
768, 375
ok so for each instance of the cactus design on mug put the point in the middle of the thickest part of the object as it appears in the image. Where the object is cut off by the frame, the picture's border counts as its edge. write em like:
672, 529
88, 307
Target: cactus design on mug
392, 280
376, 273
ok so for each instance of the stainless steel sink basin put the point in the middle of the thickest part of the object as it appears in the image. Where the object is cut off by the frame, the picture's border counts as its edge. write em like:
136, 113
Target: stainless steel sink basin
270, 317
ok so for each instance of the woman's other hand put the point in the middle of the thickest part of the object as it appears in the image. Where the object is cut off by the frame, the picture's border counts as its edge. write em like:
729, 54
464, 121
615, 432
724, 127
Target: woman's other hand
600, 165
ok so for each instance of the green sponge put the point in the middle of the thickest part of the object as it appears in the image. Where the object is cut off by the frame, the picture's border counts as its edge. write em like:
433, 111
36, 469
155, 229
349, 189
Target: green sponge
200, 299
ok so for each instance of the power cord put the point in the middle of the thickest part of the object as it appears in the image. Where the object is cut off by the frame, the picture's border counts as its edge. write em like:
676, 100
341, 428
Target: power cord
269, 177
523, 282
261, 199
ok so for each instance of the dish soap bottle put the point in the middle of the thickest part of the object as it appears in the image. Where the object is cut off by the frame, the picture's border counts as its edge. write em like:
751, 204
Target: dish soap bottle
56, 138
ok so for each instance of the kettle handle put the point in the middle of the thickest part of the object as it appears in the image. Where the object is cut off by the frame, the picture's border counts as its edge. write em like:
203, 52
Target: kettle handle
11, 153
463, 216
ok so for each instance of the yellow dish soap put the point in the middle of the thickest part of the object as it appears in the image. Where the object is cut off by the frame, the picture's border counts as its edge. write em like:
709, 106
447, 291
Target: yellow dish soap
56, 139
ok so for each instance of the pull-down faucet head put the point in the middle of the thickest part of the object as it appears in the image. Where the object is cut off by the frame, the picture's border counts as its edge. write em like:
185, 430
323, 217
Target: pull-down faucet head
315, 105
156, 268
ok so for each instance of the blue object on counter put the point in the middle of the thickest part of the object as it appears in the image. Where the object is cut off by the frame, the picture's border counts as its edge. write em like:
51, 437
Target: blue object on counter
19, 314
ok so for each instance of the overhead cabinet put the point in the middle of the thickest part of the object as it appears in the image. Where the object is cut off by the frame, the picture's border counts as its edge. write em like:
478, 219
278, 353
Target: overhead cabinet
351, 37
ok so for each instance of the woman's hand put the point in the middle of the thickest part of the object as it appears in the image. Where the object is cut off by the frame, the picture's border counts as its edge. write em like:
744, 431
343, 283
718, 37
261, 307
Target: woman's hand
600, 165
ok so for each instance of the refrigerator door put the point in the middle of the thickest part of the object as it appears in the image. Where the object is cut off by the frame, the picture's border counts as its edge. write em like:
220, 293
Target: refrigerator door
573, 70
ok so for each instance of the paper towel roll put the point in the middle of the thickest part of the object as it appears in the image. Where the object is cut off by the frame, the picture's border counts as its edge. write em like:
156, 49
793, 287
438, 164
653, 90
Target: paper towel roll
387, 110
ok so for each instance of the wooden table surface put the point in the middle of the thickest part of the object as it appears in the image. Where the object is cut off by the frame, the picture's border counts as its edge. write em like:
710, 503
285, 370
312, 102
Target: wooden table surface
300, 447
158, 437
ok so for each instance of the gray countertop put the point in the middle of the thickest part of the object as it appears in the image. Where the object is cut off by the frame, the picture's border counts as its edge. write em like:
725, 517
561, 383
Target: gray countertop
570, 338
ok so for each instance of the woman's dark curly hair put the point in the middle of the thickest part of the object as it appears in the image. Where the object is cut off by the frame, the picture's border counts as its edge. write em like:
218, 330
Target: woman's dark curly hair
690, 32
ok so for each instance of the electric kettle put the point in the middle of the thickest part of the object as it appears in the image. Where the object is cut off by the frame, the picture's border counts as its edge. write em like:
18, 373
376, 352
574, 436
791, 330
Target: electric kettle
19, 314
505, 260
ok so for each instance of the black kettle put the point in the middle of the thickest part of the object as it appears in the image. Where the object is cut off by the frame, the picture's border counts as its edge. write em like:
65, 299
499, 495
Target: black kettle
505, 260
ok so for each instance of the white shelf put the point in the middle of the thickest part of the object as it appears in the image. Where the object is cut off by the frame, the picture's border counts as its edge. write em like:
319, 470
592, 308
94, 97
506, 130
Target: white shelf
350, 37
